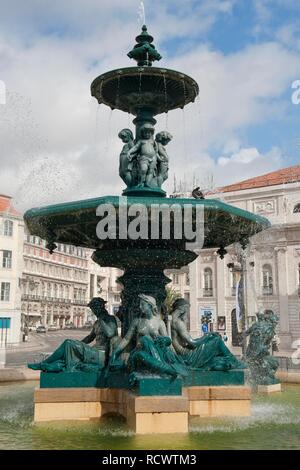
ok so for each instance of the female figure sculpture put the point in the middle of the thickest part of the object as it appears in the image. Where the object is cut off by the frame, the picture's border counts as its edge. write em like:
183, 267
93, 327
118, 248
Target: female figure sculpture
207, 353
152, 352
78, 355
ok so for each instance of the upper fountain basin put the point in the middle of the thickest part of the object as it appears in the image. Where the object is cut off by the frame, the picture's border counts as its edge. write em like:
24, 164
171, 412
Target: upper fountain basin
132, 88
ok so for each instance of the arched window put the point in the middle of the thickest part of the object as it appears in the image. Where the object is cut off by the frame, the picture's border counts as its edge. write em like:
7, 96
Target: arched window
297, 208
267, 279
234, 277
207, 282
8, 228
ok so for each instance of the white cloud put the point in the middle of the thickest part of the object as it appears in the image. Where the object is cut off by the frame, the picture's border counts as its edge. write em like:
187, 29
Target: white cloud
246, 155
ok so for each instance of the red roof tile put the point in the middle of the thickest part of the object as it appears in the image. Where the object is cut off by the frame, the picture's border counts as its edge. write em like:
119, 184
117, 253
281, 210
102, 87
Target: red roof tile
6, 206
283, 176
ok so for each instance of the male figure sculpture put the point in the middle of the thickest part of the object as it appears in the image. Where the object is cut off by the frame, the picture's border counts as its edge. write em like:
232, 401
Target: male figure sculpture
74, 355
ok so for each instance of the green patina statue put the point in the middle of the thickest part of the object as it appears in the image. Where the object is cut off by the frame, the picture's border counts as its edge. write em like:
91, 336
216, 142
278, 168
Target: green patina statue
261, 334
74, 355
162, 139
145, 152
206, 353
125, 166
152, 353
144, 163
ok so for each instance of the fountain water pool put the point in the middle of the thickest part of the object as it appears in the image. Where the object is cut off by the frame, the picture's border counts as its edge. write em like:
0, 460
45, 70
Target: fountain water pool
274, 424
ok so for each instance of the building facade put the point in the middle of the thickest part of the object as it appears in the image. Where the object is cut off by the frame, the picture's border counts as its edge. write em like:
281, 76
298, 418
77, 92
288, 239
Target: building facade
11, 266
103, 283
271, 266
54, 287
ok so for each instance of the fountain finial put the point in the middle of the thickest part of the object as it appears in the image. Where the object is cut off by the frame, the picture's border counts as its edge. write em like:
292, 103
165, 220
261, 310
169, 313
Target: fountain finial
144, 51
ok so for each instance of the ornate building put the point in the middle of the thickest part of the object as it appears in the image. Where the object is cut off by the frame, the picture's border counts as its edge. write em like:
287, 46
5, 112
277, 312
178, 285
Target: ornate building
11, 265
272, 263
54, 287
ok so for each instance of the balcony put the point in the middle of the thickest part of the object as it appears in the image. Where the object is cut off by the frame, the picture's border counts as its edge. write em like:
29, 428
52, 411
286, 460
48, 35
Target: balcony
40, 298
81, 302
208, 292
267, 290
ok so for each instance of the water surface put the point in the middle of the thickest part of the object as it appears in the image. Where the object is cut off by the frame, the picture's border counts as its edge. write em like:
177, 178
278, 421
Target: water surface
274, 424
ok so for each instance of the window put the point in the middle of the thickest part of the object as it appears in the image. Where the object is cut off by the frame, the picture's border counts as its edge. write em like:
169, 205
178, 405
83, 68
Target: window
297, 208
207, 282
267, 278
7, 256
5, 291
8, 228
175, 279
187, 279
235, 276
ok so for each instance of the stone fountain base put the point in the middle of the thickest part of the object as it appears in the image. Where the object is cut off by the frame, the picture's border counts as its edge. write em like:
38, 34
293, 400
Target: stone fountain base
269, 388
143, 414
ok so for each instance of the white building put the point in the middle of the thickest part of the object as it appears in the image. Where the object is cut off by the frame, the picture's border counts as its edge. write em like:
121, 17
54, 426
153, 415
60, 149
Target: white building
54, 287
11, 266
272, 264
103, 283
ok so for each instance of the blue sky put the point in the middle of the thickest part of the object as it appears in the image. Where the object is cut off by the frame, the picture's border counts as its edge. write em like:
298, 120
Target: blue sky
57, 144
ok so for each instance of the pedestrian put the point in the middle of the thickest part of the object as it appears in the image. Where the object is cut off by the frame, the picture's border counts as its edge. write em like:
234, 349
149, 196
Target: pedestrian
225, 337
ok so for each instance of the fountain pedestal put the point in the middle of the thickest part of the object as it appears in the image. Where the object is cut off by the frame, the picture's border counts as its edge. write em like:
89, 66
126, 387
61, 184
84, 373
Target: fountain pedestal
143, 414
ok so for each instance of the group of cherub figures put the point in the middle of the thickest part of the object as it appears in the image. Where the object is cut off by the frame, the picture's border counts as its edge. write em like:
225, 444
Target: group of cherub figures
145, 349
144, 162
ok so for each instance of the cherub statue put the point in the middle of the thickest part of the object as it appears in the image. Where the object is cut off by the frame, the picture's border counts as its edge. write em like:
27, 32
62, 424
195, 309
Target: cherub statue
126, 166
162, 139
146, 154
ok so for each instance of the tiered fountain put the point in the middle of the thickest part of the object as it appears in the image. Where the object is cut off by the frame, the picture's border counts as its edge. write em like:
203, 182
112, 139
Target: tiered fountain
85, 389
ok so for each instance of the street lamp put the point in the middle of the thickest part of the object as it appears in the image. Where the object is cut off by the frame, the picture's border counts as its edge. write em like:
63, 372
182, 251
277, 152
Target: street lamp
241, 267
